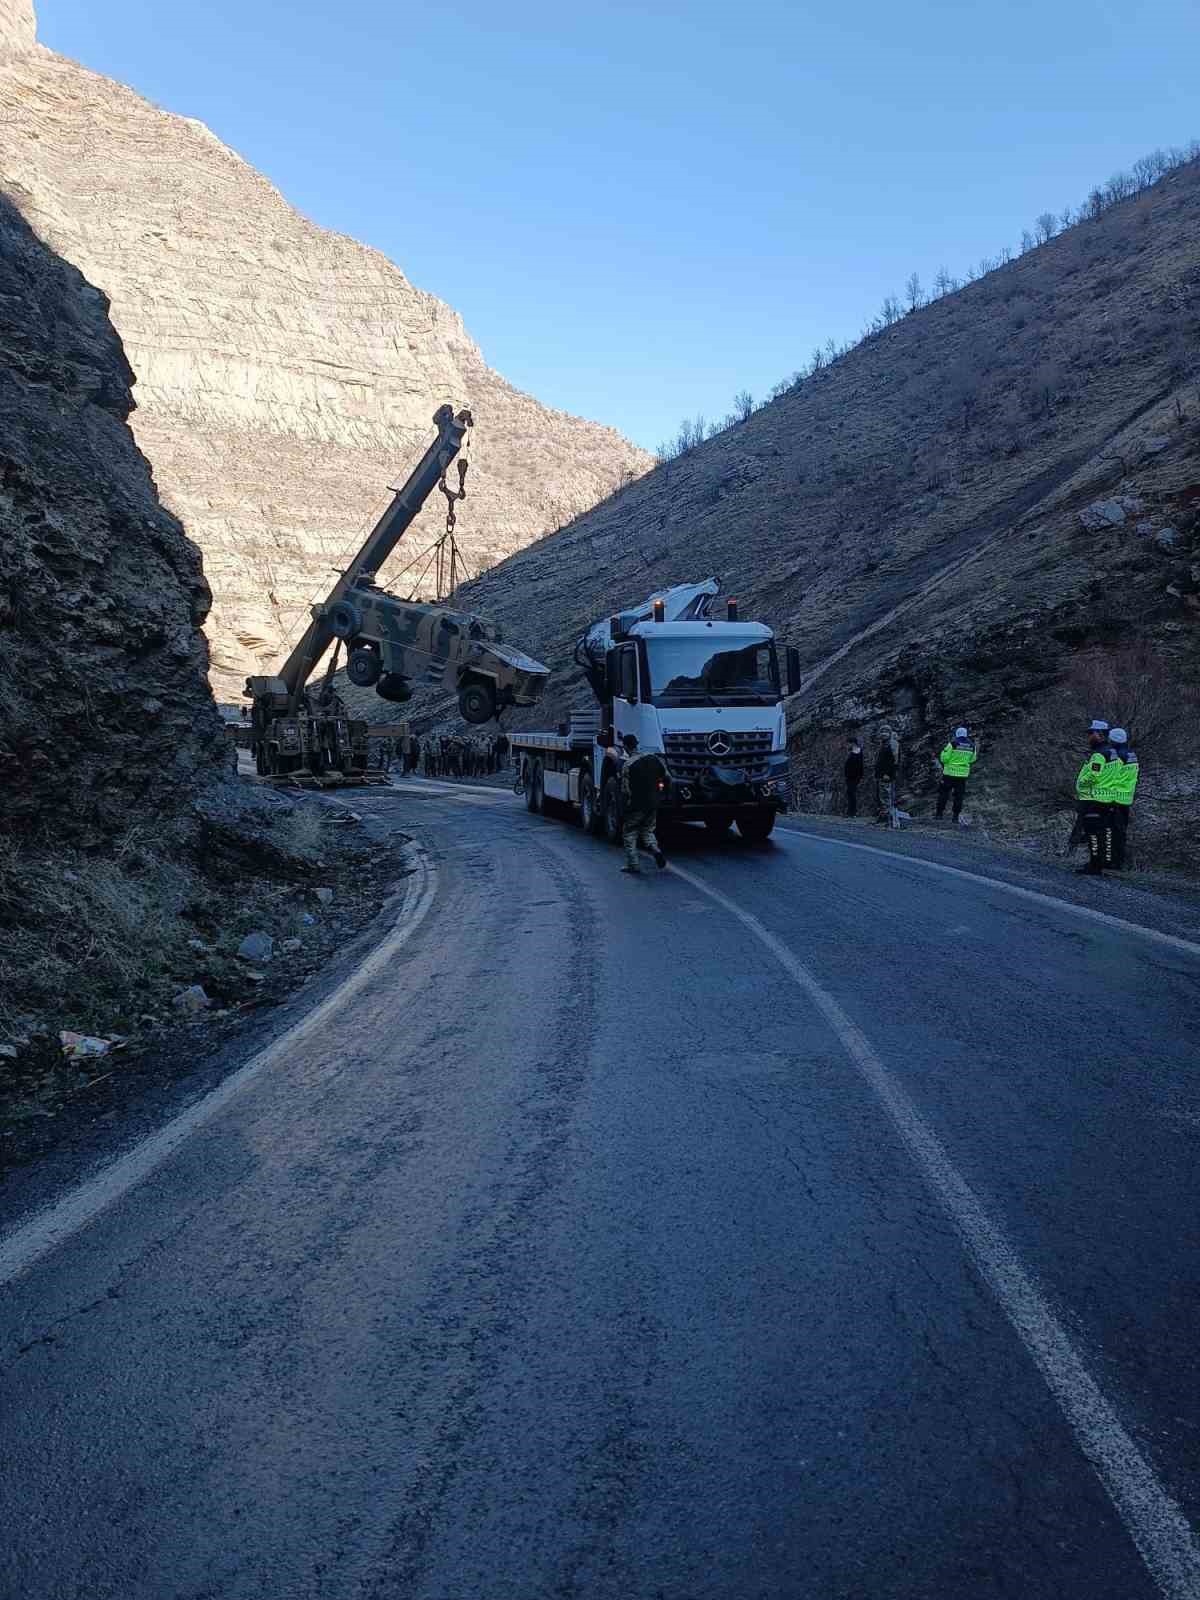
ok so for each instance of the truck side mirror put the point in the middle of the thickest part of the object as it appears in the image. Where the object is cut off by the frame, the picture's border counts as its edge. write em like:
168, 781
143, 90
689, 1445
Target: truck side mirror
793, 670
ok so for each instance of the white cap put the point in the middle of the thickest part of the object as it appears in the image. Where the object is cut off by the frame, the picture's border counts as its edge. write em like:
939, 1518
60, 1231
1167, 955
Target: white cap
1098, 725
1118, 736
960, 733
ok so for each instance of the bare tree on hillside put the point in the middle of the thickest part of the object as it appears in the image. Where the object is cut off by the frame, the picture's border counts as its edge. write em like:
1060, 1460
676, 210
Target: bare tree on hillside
1046, 226
962, 391
914, 294
944, 284
890, 311
743, 404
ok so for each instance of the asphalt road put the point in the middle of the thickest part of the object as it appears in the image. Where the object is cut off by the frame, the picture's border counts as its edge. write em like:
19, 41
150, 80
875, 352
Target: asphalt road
803, 1223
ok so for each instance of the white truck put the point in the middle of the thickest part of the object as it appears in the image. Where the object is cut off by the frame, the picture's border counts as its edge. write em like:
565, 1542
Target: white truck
701, 690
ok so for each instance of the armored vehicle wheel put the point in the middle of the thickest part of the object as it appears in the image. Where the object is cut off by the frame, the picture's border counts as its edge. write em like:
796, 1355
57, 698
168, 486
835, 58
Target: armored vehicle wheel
344, 619
612, 810
755, 826
363, 667
719, 823
477, 700
260, 760
591, 819
394, 686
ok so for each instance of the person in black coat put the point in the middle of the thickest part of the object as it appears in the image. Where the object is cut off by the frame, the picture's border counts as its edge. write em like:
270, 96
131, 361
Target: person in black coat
854, 775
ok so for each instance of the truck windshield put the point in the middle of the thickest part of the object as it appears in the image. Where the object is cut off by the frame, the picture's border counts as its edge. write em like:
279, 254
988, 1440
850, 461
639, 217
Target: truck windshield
688, 671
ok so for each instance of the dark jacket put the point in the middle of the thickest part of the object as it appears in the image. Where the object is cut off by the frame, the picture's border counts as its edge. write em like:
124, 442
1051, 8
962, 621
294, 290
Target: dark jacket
641, 779
854, 767
885, 761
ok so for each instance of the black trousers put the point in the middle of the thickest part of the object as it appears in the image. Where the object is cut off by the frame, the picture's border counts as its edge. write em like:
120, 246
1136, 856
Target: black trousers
957, 786
1101, 837
1120, 829
851, 798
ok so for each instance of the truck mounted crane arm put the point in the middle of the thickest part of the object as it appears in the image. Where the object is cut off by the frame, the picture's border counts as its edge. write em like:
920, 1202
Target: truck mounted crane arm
378, 546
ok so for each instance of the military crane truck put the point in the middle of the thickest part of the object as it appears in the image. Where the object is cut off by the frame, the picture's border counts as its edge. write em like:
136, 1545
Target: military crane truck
702, 689
392, 644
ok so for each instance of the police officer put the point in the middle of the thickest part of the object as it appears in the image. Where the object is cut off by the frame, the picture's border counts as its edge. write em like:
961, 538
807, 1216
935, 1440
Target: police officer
1120, 784
957, 758
1091, 794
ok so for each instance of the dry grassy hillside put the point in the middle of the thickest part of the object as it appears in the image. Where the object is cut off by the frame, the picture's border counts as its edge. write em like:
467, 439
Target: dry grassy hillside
916, 517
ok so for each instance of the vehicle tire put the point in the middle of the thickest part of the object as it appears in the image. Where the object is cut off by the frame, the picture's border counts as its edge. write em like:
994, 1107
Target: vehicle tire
394, 686
344, 619
756, 826
260, 760
719, 824
363, 667
612, 810
591, 819
477, 700
535, 790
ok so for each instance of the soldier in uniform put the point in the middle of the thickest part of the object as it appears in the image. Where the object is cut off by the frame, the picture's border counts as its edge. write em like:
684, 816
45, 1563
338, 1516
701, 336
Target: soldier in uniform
644, 781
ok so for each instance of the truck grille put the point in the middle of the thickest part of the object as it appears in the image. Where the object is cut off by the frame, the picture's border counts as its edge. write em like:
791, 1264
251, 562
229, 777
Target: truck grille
688, 753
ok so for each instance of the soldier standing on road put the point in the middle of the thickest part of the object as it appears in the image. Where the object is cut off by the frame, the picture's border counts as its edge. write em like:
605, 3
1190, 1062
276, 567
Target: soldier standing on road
957, 758
854, 773
643, 784
887, 762
1095, 812
1120, 786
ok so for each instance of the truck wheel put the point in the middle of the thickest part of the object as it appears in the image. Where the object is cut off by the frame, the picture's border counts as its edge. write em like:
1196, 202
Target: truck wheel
260, 760
477, 701
612, 810
363, 667
719, 824
755, 826
590, 818
535, 790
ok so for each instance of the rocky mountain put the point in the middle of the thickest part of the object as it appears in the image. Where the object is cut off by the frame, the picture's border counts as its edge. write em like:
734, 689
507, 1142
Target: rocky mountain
105, 708
953, 520
286, 374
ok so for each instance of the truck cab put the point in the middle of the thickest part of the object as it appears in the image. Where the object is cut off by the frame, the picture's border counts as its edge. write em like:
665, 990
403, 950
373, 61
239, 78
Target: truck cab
702, 691
706, 695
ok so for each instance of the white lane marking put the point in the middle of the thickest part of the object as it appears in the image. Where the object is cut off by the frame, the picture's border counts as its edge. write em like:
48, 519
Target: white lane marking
1188, 946
1155, 1522
57, 1223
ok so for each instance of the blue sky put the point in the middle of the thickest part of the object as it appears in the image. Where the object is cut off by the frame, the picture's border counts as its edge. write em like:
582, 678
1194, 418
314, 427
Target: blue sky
641, 209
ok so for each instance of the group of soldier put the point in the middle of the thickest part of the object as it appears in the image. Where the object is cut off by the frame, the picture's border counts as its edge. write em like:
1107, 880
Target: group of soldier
447, 756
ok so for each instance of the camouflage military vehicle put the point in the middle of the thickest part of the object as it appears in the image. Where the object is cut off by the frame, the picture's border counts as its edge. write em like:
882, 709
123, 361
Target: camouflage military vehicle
392, 645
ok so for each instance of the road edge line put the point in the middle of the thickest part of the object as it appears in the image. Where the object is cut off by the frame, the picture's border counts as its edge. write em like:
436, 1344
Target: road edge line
1162, 1534
1171, 940
55, 1224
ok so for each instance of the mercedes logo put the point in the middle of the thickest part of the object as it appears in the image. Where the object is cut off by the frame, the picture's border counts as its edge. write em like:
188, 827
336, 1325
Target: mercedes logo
719, 743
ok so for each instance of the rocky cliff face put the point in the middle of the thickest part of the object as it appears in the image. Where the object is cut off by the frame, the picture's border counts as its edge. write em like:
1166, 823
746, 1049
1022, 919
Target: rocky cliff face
18, 29
105, 709
286, 375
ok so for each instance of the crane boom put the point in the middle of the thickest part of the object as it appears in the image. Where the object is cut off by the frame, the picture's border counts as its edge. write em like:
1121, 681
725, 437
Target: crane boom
378, 546
391, 643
